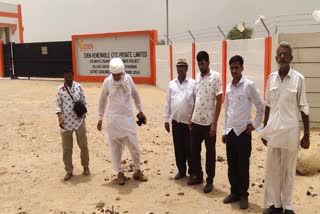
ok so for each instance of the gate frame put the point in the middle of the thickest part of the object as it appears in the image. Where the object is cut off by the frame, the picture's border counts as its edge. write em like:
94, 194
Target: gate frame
1, 59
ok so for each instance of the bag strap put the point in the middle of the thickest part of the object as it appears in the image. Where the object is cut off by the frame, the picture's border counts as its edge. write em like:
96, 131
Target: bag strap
68, 91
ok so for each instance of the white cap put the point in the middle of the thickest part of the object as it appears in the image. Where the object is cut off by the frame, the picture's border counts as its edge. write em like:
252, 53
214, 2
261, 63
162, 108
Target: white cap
116, 66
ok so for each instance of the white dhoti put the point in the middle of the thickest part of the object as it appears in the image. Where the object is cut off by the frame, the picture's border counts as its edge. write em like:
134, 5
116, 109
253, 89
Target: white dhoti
283, 147
280, 175
121, 132
116, 148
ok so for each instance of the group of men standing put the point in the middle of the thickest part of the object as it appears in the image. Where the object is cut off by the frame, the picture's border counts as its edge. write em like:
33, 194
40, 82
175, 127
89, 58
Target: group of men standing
193, 108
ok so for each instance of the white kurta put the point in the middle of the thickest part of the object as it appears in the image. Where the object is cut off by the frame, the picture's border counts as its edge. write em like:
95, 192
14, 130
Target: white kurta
120, 125
286, 99
238, 105
180, 101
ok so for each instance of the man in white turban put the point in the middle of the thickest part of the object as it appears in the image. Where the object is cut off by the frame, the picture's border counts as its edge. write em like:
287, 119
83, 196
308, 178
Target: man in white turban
120, 126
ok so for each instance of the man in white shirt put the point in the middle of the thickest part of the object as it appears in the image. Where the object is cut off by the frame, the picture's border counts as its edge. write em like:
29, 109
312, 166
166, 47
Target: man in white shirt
69, 122
241, 93
117, 89
285, 101
204, 121
179, 107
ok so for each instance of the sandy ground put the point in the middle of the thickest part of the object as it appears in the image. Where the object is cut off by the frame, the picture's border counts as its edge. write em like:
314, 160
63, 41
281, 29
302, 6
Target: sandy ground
31, 167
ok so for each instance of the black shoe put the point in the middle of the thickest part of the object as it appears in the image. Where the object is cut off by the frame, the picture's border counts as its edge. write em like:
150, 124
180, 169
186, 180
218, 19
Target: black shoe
244, 202
121, 180
208, 188
273, 210
231, 199
180, 176
86, 171
289, 212
194, 180
67, 176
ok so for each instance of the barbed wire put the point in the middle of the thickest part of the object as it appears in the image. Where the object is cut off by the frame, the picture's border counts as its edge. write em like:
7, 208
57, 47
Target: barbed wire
273, 23
299, 25
206, 33
289, 15
288, 21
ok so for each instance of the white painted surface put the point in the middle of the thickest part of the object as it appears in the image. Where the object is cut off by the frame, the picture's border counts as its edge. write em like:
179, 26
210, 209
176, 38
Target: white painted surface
163, 66
214, 50
9, 8
182, 50
252, 51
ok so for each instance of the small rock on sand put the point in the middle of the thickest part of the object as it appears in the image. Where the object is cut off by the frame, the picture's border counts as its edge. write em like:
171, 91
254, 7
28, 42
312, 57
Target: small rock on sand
100, 205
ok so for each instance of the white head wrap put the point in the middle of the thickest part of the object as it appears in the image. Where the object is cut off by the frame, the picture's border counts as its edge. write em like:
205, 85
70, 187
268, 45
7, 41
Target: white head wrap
116, 66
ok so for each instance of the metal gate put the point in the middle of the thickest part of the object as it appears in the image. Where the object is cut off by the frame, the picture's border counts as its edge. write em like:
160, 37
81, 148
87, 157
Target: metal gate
45, 59
8, 72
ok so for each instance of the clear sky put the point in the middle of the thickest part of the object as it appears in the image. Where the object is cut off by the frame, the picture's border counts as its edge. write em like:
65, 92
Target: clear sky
55, 20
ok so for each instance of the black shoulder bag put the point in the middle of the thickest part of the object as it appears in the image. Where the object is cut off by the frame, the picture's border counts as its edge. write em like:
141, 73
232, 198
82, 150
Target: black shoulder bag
79, 107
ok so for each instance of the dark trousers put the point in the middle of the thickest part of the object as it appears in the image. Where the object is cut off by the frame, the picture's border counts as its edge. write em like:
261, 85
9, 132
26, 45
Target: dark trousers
182, 148
198, 134
238, 155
